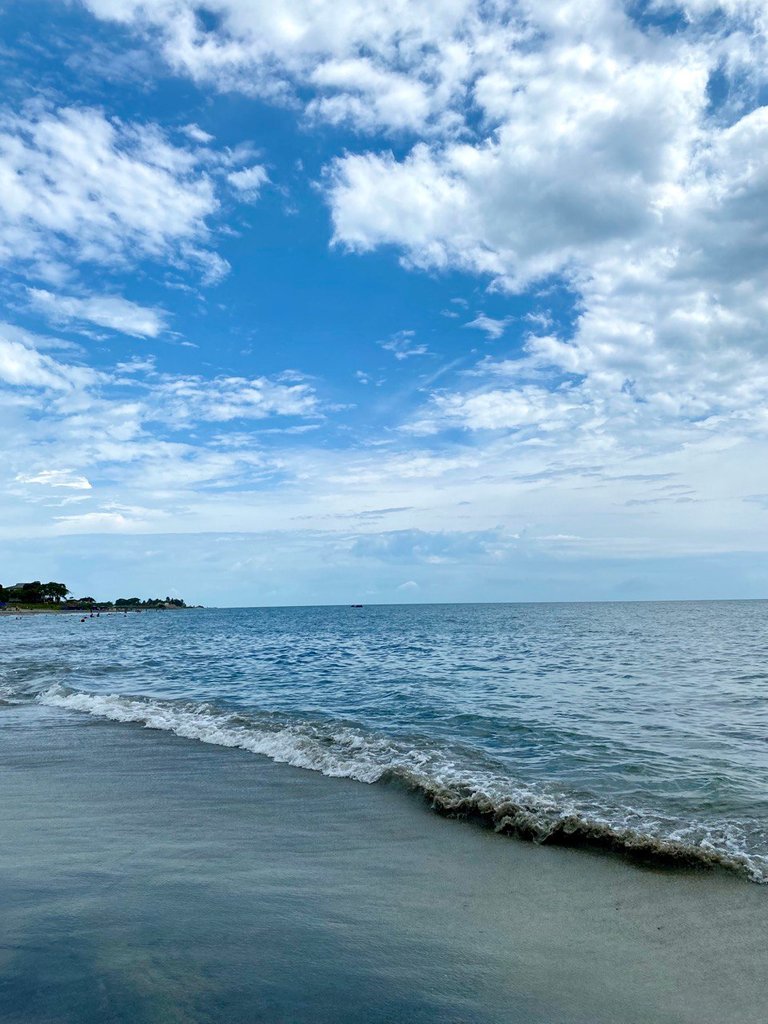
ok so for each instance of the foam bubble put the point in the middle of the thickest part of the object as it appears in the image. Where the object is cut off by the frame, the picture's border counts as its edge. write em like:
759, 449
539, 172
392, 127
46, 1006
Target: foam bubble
452, 788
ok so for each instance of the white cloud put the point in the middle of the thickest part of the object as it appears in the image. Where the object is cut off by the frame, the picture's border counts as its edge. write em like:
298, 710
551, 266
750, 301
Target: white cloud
403, 346
558, 139
196, 133
119, 427
76, 185
523, 487
602, 164
561, 143
113, 519
249, 181
110, 311
398, 65
23, 366
409, 586
367, 96
184, 399
493, 328
501, 409
56, 478
583, 155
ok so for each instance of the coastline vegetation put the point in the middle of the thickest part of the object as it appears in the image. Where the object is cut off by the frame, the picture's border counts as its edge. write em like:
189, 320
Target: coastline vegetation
56, 597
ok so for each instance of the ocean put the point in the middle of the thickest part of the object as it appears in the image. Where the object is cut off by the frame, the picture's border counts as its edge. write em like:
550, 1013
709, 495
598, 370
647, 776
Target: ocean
641, 727
621, 748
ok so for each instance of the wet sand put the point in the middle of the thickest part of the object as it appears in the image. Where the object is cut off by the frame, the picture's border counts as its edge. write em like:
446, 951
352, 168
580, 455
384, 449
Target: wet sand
148, 878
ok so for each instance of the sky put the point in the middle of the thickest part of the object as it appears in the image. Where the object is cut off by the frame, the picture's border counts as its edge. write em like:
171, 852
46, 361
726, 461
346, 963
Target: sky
334, 301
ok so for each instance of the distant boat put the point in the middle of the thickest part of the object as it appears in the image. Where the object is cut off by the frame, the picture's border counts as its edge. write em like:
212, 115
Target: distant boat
355, 606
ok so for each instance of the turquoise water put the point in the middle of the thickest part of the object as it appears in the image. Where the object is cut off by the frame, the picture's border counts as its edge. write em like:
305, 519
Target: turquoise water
638, 726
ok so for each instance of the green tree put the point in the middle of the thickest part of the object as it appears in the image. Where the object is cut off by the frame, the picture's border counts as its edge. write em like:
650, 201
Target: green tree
29, 593
55, 591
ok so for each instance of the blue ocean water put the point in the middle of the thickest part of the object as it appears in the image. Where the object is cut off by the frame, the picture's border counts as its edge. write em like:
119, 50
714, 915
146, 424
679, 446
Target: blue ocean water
639, 726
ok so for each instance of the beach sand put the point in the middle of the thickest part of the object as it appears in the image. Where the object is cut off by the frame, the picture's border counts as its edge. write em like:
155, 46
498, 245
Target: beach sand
148, 878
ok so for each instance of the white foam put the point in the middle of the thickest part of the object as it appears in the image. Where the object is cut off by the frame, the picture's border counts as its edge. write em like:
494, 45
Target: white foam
342, 751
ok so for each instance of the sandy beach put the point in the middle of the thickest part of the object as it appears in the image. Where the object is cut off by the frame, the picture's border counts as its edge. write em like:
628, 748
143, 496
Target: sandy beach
149, 878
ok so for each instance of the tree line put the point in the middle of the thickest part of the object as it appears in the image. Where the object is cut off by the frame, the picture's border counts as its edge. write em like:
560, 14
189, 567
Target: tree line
35, 593
39, 593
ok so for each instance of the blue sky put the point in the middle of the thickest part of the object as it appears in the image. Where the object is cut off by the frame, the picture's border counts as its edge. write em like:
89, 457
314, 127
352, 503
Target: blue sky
325, 302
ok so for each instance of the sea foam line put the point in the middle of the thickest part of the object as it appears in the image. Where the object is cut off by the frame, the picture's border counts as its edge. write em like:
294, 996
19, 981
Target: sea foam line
341, 751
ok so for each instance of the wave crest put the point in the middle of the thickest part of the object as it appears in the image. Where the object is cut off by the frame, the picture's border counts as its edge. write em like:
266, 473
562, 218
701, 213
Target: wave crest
503, 804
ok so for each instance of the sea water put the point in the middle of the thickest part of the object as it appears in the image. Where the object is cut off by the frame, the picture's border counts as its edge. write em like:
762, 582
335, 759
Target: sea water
637, 727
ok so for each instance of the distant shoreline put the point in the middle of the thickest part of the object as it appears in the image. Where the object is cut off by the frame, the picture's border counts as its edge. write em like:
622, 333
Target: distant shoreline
10, 612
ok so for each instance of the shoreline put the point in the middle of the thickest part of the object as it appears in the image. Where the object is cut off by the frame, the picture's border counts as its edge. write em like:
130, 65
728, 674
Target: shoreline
224, 886
16, 612
523, 814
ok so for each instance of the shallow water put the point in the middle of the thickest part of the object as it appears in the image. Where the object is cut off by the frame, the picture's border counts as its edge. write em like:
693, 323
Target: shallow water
638, 726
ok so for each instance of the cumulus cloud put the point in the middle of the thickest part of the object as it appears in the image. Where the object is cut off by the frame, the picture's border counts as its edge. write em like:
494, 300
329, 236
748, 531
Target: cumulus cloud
397, 65
109, 311
562, 141
248, 181
502, 409
584, 155
368, 96
603, 165
568, 143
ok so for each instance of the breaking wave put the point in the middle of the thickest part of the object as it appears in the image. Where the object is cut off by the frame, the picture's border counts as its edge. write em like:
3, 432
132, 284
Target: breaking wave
442, 777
